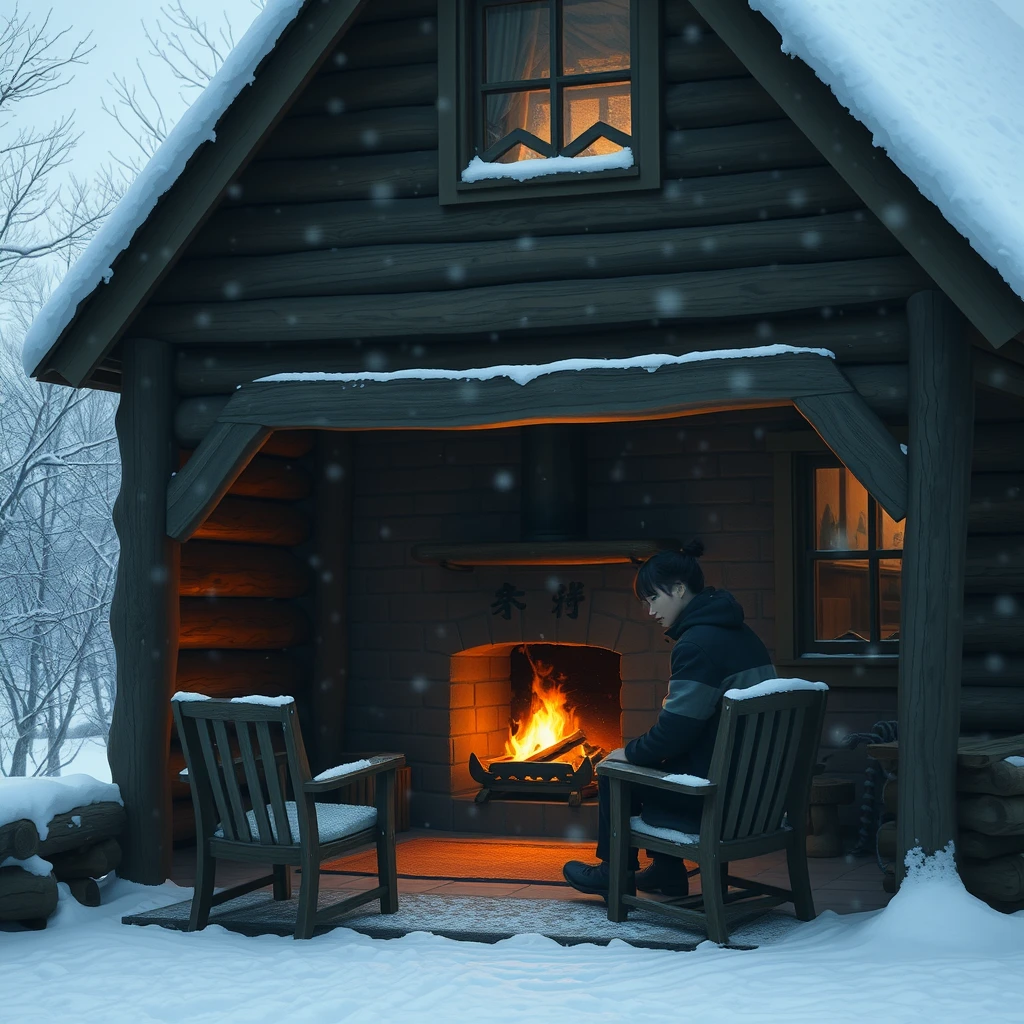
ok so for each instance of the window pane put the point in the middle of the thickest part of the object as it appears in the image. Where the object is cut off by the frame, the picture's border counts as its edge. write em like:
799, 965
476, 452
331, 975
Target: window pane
840, 511
518, 42
842, 607
510, 110
889, 598
585, 105
595, 36
888, 534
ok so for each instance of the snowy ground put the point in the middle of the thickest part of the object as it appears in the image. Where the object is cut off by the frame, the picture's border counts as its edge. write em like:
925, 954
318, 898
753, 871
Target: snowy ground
935, 954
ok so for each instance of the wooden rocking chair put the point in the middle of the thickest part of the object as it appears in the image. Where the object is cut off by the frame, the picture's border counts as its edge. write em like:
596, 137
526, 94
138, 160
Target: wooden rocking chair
242, 813
755, 803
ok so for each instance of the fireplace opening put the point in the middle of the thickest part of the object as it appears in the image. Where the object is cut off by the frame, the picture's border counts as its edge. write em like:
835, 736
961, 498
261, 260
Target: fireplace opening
563, 718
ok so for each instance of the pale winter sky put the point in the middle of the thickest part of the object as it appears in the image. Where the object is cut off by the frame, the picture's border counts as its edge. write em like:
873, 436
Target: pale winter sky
118, 37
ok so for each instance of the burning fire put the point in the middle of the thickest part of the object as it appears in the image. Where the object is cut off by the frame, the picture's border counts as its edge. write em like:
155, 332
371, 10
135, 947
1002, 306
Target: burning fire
550, 719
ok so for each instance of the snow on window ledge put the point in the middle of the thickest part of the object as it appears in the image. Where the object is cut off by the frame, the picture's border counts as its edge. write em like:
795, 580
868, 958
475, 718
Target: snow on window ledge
524, 170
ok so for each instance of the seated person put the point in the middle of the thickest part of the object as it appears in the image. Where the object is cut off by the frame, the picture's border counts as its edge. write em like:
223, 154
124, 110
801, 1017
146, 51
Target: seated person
714, 651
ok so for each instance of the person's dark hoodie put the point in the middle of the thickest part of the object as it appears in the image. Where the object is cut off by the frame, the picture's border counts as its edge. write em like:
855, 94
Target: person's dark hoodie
714, 651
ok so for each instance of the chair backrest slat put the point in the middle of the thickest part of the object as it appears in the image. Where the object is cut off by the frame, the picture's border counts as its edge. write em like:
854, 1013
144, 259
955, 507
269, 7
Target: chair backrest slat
252, 778
284, 830
746, 726
240, 821
752, 785
784, 741
214, 774
763, 760
786, 779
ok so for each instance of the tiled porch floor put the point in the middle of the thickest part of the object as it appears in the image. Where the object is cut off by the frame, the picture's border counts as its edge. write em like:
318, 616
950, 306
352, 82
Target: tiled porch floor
843, 884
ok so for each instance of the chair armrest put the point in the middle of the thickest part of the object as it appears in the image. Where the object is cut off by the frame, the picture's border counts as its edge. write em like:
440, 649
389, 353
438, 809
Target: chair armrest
378, 763
651, 777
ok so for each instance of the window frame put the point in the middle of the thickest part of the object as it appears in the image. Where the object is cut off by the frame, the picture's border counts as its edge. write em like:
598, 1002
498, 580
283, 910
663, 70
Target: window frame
458, 99
853, 670
804, 592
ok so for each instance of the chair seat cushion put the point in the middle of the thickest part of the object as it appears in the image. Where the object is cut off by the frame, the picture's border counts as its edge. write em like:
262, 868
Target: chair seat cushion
637, 824
335, 821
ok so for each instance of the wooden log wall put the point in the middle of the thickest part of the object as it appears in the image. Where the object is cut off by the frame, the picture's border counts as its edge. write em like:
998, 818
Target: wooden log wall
244, 622
340, 209
992, 692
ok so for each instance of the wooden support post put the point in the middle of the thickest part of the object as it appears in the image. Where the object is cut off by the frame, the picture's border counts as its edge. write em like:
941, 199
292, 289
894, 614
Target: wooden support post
941, 413
144, 612
331, 644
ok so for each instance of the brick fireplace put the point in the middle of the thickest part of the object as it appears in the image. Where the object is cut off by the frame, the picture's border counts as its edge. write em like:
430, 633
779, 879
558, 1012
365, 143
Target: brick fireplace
432, 648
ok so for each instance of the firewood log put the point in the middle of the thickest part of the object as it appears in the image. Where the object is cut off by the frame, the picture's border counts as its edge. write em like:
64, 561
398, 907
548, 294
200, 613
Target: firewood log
26, 897
82, 826
1000, 778
85, 890
92, 861
549, 753
993, 815
979, 846
18, 839
999, 879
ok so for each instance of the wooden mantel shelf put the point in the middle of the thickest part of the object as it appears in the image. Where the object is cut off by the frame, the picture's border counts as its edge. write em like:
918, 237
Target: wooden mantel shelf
579, 552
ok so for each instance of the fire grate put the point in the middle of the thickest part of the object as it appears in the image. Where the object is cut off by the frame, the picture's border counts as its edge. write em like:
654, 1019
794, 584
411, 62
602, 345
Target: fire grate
533, 778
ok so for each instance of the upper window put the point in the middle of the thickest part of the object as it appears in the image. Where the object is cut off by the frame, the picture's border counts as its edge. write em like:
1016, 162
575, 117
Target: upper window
851, 553
539, 95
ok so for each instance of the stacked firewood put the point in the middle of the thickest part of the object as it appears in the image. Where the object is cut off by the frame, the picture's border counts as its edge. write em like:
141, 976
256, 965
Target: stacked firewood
81, 846
990, 819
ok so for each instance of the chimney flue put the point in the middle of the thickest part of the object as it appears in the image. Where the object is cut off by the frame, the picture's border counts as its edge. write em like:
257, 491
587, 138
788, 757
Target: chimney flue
554, 482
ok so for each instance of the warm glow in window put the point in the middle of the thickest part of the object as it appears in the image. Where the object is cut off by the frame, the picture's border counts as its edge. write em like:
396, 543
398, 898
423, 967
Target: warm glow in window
854, 560
569, 100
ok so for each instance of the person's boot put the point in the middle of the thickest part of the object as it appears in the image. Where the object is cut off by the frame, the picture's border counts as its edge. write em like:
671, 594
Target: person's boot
592, 879
666, 875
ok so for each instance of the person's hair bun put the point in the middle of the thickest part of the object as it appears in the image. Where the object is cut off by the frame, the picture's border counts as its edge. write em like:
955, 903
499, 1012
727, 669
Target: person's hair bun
694, 549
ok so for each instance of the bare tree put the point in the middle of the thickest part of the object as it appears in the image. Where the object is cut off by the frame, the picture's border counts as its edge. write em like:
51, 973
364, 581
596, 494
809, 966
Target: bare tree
192, 50
41, 218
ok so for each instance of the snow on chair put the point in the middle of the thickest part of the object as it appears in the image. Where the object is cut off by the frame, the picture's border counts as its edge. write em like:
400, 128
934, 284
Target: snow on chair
242, 756
755, 802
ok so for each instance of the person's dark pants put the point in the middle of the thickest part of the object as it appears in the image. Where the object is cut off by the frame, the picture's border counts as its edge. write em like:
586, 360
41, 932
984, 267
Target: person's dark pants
656, 807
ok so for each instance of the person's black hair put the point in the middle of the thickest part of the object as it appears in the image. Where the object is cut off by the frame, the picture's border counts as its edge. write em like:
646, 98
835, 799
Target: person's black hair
661, 572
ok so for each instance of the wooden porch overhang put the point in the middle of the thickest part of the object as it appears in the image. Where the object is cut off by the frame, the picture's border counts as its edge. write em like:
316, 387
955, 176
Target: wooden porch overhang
807, 379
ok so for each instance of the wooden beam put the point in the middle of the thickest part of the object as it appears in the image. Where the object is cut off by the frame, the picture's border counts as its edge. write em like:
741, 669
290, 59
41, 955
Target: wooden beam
200, 484
852, 337
733, 149
183, 208
597, 395
240, 570
144, 611
346, 92
723, 199
333, 532
999, 446
718, 102
942, 251
859, 439
388, 44
195, 416
245, 521
220, 673
750, 291
699, 57
995, 565
932, 605
392, 130
241, 624
998, 374
447, 266
993, 623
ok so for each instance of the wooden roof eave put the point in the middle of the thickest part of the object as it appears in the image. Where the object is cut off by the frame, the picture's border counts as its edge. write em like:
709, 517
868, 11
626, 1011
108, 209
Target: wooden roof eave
157, 245
945, 255
811, 382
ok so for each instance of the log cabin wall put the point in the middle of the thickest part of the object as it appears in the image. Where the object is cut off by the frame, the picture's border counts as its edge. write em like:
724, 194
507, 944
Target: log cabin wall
992, 694
245, 590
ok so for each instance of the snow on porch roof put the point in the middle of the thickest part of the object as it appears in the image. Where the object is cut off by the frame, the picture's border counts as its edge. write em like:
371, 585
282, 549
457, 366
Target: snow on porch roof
197, 125
940, 85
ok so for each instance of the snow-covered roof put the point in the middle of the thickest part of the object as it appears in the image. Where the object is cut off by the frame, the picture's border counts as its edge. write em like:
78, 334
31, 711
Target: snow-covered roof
940, 85
95, 265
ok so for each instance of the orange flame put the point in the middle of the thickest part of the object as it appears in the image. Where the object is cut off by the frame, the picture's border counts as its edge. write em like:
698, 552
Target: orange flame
549, 719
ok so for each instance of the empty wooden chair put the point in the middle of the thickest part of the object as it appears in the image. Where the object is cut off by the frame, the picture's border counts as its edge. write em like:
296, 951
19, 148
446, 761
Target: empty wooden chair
243, 756
755, 802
